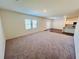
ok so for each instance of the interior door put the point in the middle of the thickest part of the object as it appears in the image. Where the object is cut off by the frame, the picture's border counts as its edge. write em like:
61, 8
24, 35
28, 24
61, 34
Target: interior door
76, 40
2, 42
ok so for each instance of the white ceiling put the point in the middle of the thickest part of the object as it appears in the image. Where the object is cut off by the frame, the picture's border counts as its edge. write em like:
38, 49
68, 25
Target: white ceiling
36, 7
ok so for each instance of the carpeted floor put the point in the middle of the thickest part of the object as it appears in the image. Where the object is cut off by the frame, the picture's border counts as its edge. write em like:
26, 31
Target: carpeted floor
43, 45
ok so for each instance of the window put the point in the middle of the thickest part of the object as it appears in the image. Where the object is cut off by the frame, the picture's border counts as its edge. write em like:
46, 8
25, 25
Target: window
28, 24
34, 23
31, 24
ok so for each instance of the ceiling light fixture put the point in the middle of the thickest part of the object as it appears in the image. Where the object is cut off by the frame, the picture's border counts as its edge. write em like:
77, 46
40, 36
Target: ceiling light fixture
17, 0
44, 10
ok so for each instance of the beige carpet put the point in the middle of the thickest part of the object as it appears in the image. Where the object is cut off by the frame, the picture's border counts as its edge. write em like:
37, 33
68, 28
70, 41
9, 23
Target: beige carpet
43, 45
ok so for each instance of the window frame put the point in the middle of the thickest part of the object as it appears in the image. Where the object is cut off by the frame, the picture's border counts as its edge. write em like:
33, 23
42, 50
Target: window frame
36, 24
31, 24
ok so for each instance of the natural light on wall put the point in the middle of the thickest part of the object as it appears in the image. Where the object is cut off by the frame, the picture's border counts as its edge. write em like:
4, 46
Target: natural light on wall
48, 24
31, 24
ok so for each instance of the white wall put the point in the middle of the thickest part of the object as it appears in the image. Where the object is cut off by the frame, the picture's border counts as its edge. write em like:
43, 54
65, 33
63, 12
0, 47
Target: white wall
76, 40
58, 23
2, 42
14, 26
48, 24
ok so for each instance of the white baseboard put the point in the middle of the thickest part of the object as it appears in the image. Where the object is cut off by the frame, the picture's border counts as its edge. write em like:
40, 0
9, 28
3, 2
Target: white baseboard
19, 35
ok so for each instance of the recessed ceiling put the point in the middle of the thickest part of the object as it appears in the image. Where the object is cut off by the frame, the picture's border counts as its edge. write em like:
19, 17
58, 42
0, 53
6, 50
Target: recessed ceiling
37, 7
